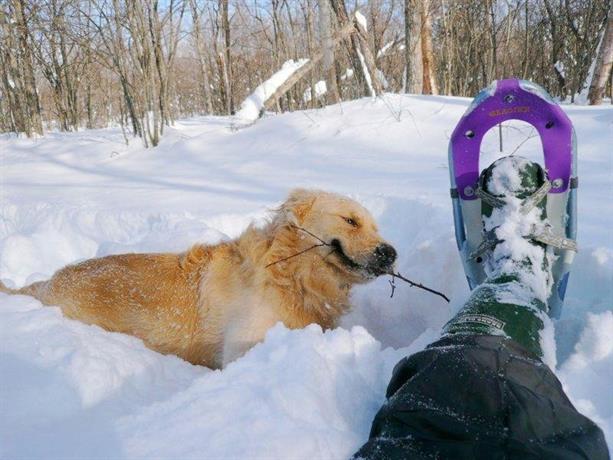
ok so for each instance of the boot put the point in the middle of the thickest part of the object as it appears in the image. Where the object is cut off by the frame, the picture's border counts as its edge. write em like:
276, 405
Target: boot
512, 301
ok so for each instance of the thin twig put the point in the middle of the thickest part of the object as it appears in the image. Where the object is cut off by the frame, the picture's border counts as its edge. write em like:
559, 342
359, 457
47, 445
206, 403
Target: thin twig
321, 243
414, 284
391, 273
530, 136
393, 286
295, 255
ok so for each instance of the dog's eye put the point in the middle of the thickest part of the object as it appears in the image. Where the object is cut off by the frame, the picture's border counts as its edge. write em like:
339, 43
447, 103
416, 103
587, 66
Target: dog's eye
351, 221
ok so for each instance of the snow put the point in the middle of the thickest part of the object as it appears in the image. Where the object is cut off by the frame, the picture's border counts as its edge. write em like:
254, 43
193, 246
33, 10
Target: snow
559, 66
348, 74
254, 103
547, 342
71, 390
367, 76
361, 20
589, 371
385, 48
320, 89
513, 225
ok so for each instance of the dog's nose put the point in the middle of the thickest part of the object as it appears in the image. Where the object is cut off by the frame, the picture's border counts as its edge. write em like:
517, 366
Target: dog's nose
385, 255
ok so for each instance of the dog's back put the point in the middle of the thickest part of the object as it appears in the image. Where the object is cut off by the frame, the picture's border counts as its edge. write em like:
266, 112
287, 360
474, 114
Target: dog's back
151, 296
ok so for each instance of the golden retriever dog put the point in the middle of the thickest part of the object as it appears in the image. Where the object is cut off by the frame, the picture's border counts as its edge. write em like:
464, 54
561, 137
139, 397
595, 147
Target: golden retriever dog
209, 305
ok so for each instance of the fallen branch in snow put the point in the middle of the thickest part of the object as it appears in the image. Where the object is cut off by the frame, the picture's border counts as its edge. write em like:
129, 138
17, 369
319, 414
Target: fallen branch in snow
265, 96
254, 105
304, 70
398, 41
412, 284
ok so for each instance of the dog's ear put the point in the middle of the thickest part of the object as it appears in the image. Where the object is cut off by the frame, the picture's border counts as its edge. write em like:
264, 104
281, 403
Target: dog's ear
298, 204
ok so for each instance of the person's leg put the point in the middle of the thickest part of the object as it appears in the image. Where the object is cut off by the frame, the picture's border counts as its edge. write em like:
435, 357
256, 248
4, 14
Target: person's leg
482, 391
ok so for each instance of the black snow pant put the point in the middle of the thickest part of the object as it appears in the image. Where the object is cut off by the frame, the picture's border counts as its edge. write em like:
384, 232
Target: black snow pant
479, 397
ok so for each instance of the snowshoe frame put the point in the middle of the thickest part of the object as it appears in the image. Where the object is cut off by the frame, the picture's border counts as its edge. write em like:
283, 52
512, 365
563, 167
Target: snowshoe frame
503, 100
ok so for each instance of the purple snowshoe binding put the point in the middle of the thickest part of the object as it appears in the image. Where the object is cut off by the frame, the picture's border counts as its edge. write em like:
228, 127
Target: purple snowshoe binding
514, 99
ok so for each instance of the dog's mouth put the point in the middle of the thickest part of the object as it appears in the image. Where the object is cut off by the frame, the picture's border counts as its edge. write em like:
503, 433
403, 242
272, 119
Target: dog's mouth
348, 262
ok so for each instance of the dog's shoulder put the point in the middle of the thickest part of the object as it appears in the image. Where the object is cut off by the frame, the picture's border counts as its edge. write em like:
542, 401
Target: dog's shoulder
254, 242
196, 256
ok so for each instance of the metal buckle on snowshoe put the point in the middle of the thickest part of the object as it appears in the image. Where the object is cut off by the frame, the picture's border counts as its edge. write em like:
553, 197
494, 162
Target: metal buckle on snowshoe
490, 240
547, 237
530, 202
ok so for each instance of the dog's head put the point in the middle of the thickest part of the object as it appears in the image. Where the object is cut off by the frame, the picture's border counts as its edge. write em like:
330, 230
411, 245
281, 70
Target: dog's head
352, 240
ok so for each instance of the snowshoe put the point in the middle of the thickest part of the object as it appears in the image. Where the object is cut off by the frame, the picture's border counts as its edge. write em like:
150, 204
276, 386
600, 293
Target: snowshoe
514, 99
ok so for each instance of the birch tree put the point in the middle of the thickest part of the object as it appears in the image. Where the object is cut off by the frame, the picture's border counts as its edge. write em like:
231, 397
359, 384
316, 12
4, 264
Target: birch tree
604, 61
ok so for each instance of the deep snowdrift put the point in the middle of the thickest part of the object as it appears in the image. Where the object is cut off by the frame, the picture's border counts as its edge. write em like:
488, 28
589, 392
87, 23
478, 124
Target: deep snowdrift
71, 390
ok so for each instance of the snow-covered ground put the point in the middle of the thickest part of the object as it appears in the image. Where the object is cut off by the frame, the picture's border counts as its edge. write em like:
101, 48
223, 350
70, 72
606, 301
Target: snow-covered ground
69, 390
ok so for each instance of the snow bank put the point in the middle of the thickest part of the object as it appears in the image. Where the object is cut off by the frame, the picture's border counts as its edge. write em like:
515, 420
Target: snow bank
64, 382
300, 394
252, 106
306, 392
589, 372
75, 391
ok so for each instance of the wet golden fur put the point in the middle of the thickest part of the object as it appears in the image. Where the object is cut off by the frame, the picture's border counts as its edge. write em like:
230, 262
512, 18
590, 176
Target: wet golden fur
212, 303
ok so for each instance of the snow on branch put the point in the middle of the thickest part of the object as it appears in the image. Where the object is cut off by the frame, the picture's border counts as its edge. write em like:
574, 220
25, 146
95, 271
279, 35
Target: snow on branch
253, 106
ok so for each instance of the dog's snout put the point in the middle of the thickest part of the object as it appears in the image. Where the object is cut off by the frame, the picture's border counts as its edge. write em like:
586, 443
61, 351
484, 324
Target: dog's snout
385, 254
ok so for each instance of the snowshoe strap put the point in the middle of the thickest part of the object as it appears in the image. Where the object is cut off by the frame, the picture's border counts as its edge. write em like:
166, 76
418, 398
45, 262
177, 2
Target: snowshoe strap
493, 201
533, 200
490, 240
527, 205
547, 237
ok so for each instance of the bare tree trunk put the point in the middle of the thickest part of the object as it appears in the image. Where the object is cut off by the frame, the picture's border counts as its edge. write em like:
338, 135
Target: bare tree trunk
408, 55
557, 44
367, 59
201, 55
33, 111
526, 59
413, 55
352, 46
604, 62
491, 4
429, 75
307, 11
227, 61
329, 69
